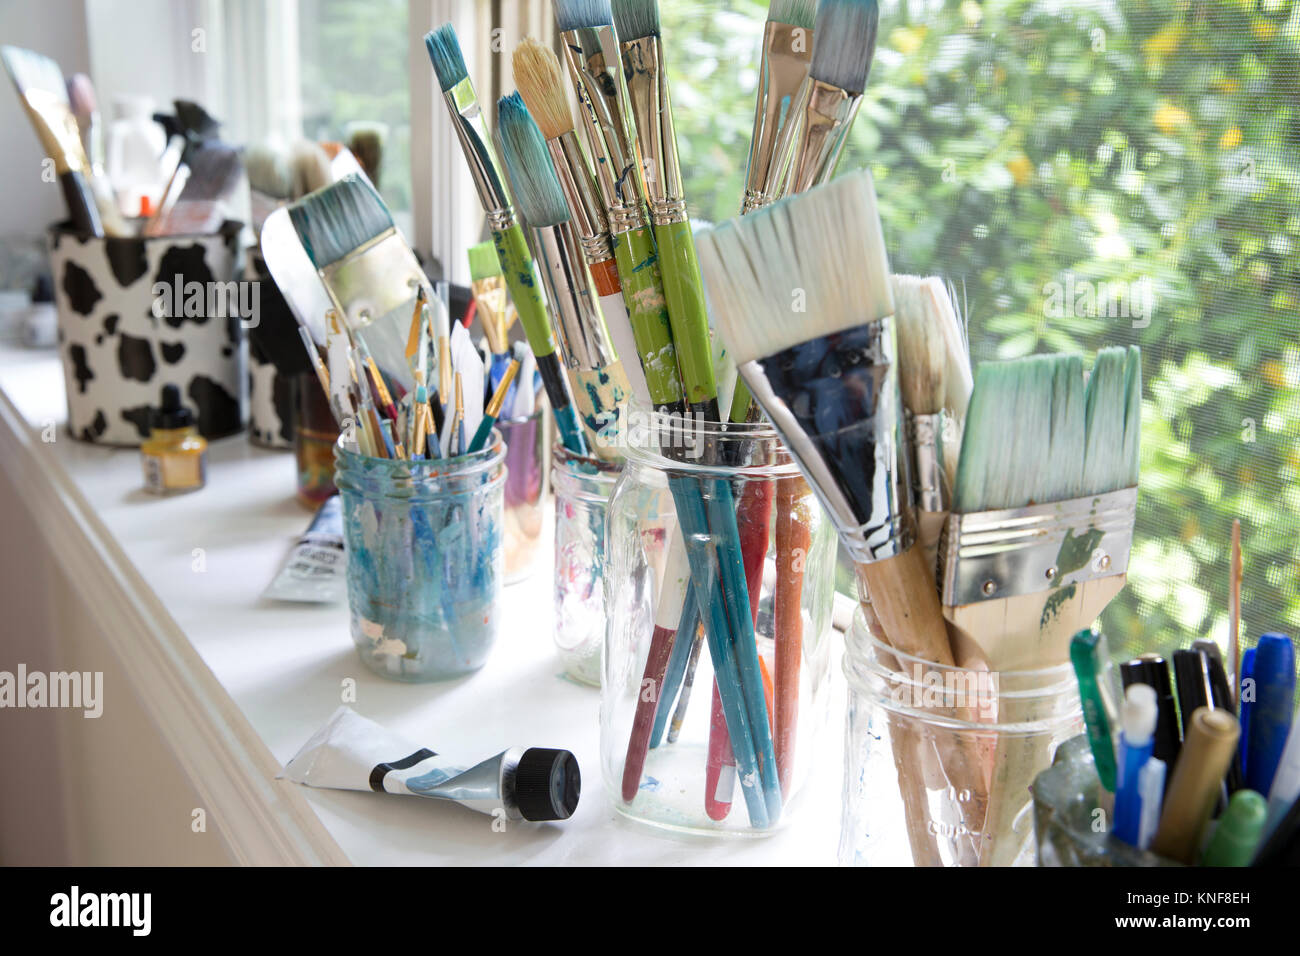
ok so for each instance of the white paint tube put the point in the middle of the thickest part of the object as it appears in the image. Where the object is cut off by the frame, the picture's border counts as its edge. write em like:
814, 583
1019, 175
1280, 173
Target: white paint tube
315, 571
352, 752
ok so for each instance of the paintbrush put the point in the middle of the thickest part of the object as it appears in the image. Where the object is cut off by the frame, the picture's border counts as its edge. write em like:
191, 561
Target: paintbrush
844, 43
827, 379
1234, 610
923, 311
365, 266
591, 52
541, 84
488, 286
44, 96
655, 145
516, 264
1039, 536
600, 386
493, 408
782, 69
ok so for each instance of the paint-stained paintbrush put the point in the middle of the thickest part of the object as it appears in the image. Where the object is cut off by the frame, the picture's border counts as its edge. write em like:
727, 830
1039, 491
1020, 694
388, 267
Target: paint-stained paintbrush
600, 386
591, 51
541, 84
843, 47
516, 263
782, 69
370, 273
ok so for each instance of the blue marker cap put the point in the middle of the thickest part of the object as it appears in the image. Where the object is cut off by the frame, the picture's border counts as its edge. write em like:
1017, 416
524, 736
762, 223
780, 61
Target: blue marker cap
1270, 718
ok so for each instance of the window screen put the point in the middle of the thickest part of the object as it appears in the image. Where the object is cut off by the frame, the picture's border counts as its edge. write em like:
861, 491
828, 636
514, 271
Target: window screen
1090, 174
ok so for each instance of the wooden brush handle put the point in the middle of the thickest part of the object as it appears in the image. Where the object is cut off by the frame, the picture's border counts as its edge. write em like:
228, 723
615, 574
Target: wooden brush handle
906, 603
793, 540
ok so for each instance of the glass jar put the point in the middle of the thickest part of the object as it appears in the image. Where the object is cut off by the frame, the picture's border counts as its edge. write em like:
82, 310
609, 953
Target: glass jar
755, 551
423, 541
1067, 797
527, 471
314, 433
582, 489
939, 761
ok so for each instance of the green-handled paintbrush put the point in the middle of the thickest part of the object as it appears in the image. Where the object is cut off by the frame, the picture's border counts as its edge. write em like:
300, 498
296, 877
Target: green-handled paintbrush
520, 272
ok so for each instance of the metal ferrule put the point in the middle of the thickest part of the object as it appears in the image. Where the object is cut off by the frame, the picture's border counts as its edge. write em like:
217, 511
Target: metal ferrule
988, 555
858, 470
574, 307
626, 218
471, 130
656, 139
374, 280
925, 436
787, 50
592, 55
810, 146
586, 212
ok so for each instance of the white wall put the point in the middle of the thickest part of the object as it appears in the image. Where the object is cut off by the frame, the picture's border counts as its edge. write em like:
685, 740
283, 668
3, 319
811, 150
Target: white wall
56, 28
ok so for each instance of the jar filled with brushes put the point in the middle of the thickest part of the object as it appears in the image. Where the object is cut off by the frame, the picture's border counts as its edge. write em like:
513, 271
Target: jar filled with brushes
940, 760
527, 477
583, 486
718, 590
425, 563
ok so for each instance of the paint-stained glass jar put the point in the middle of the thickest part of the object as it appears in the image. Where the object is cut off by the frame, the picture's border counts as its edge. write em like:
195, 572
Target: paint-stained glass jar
425, 559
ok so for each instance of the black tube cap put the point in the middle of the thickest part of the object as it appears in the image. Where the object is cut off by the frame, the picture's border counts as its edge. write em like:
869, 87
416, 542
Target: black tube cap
547, 784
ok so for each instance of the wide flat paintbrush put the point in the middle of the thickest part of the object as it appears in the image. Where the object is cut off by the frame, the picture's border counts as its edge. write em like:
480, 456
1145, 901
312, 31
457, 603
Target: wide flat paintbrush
1039, 537
600, 385
369, 272
516, 263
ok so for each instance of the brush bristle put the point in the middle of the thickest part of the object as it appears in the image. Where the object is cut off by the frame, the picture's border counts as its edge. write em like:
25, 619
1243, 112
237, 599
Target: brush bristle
34, 71
81, 95
444, 54
802, 268
580, 14
336, 221
922, 359
309, 167
844, 43
483, 261
1035, 433
536, 187
541, 84
797, 13
634, 19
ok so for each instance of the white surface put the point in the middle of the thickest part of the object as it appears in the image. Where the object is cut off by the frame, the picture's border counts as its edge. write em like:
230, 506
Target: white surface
286, 667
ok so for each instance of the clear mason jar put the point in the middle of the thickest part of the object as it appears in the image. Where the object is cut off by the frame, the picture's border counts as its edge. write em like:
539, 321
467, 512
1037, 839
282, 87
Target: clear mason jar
527, 474
939, 761
582, 489
423, 541
764, 555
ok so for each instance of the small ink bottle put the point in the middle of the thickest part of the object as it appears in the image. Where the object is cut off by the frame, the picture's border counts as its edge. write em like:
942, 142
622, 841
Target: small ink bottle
175, 457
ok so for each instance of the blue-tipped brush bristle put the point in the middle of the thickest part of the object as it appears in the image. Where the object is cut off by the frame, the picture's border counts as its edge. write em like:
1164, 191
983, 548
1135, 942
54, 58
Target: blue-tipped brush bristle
634, 19
536, 187
844, 43
579, 14
34, 71
797, 13
334, 222
445, 55
1035, 433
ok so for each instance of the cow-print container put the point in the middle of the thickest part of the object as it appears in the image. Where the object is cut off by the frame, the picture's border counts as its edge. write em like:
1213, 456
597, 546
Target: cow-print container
275, 359
117, 356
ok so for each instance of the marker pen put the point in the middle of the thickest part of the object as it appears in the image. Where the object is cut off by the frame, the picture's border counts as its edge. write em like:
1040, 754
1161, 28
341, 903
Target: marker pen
1270, 722
1138, 719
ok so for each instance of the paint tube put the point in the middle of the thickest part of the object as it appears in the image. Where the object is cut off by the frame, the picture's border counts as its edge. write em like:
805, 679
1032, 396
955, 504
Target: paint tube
352, 752
314, 571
